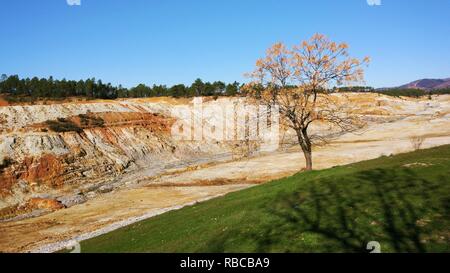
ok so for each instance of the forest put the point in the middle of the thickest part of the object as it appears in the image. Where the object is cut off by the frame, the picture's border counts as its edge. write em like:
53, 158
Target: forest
25, 89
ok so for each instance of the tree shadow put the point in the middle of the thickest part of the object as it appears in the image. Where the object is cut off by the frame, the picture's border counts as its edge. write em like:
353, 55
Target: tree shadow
391, 206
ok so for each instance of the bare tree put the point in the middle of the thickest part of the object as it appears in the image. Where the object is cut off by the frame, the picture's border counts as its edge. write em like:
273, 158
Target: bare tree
417, 141
298, 80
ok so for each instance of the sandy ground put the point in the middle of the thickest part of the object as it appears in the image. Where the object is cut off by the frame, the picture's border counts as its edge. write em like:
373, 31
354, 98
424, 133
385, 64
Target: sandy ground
99, 216
111, 211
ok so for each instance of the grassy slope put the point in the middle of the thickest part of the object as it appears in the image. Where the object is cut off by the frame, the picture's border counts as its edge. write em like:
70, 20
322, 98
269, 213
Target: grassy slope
406, 209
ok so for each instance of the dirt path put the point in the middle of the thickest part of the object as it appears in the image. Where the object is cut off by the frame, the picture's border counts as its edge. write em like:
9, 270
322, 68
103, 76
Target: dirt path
110, 211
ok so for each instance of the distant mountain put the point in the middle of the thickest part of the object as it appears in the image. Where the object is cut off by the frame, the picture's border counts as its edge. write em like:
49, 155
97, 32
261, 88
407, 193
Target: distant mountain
428, 84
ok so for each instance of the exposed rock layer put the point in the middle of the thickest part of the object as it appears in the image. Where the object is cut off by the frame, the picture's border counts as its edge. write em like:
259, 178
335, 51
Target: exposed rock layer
92, 148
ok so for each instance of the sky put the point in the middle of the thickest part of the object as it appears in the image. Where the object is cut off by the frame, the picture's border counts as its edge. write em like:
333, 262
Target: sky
176, 41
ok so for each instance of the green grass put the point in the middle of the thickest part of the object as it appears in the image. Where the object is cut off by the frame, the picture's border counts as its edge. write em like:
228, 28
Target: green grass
405, 208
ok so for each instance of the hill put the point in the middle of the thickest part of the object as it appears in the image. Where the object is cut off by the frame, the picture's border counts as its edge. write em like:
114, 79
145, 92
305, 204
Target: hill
427, 84
400, 201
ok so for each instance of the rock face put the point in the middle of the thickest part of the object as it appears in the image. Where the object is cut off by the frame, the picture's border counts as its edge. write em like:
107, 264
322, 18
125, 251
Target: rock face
60, 155
67, 149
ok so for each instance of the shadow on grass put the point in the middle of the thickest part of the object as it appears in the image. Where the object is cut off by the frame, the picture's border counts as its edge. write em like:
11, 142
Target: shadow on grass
392, 206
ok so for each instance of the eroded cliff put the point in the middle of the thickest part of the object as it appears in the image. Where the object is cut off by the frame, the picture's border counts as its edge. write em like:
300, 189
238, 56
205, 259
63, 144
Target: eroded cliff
70, 152
59, 155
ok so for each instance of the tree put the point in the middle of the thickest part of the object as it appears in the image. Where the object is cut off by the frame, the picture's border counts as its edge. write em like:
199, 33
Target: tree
122, 92
178, 90
140, 91
232, 89
160, 90
198, 87
219, 88
89, 87
298, 80
79, 88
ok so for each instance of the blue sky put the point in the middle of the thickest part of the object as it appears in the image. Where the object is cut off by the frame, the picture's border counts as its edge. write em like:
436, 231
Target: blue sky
168, 41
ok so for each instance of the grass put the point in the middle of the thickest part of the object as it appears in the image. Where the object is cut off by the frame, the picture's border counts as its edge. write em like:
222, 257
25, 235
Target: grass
401, 201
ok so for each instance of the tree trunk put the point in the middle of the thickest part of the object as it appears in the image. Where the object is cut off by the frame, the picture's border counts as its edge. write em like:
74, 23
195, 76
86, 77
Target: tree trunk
308, 158
305, 144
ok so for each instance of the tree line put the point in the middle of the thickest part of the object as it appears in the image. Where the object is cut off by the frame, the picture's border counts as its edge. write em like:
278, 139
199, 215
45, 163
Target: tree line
35, 88
17, 89
395, 92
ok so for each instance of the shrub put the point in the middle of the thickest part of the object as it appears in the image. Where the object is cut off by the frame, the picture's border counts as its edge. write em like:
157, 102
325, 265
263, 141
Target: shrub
6, 162
417, 141
404, 92
444, 91
91, 121
62, 125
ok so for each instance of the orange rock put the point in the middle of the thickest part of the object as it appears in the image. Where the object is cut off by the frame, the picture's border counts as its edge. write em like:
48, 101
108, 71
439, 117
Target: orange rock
46, 169
43, 203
